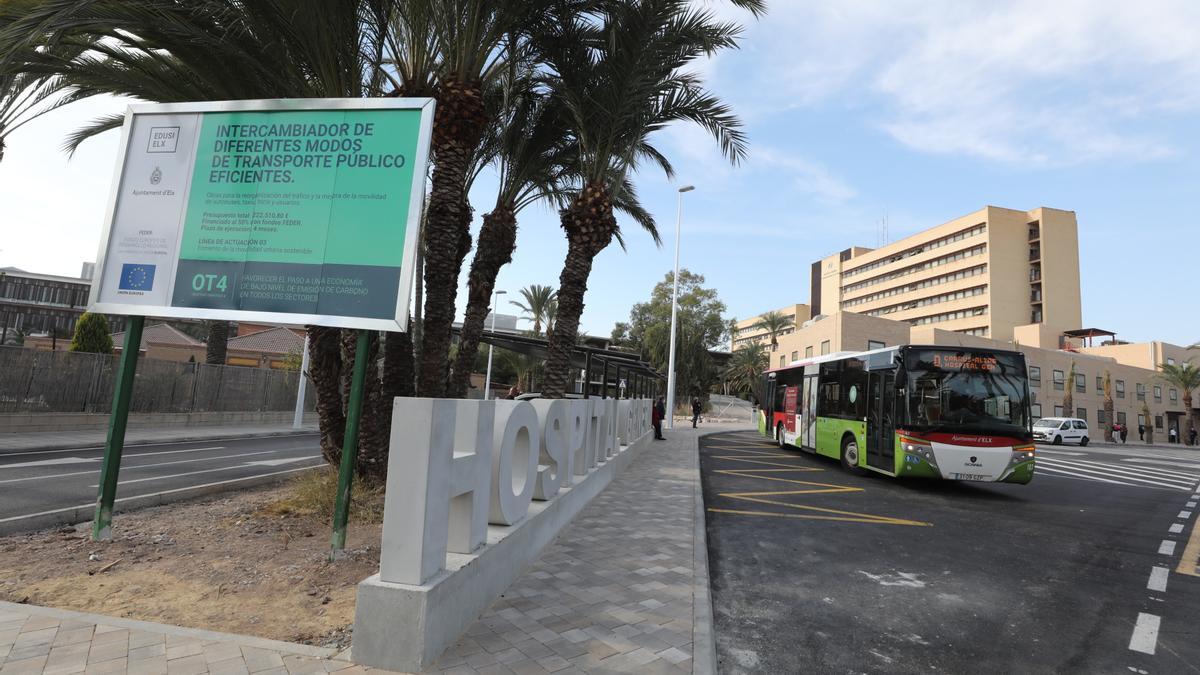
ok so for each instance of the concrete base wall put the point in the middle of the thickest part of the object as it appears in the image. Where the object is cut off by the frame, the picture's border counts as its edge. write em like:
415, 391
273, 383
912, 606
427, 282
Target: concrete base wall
35, 422
405, 627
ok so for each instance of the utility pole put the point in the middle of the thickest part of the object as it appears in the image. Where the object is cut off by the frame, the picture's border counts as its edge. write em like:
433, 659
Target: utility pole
674, 309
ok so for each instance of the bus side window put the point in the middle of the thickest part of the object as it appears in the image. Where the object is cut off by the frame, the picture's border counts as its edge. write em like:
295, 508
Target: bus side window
854, 389
829, 390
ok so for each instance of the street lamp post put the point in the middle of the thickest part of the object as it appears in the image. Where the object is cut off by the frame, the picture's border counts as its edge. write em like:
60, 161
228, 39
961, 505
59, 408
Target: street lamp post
487, 380
674, 309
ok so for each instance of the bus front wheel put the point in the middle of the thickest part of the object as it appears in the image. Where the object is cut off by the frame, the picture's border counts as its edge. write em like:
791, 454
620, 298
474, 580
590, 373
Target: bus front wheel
779, 435
850, 455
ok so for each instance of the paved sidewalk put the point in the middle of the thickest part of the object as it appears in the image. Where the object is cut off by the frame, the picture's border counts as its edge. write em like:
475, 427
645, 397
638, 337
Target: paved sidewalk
613, 594
55, 440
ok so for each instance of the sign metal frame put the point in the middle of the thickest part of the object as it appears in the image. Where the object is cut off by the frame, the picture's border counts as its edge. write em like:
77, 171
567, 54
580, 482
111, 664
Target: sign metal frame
415, 206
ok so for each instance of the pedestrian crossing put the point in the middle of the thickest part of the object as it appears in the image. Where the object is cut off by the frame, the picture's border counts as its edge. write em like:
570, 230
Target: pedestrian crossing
1184, 479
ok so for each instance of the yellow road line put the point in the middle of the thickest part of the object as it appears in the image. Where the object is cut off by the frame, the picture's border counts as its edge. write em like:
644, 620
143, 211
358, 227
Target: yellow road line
756, 460
1191, 553
746, 474
850, 517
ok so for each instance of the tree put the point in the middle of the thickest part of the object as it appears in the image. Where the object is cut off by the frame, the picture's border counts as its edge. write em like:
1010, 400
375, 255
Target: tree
774, 323
700, 328
217, 344
1069, 393
1108, 407
538, 306
92, 335
618, 73
1185, 376
746, 367
1149, 424
532, 158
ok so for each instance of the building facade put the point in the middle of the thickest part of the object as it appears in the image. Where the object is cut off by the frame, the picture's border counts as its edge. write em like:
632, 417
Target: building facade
982, 274
34, 303
748, 331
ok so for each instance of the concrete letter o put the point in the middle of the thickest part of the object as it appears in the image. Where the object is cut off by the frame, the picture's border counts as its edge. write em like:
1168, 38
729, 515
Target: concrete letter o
514, 461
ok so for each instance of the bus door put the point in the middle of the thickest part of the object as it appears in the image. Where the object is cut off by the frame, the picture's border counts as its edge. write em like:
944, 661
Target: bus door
881, 398
768, 403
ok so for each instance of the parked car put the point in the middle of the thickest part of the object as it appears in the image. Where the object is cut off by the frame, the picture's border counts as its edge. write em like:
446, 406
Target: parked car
1059, 430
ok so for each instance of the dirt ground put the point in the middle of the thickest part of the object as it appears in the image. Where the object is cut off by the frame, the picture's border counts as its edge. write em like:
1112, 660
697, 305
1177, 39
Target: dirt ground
230, 563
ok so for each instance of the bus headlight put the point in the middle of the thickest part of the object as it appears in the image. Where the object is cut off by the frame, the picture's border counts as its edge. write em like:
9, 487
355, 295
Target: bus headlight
919, 448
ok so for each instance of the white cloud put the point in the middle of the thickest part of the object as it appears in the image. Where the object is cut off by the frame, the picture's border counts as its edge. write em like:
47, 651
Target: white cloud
807, 176
1021, 82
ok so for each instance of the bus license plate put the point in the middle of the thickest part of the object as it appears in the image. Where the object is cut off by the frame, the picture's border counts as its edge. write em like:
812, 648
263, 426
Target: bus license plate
969, 476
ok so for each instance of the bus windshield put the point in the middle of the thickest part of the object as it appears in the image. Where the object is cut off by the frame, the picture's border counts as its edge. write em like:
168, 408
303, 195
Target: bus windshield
966, 392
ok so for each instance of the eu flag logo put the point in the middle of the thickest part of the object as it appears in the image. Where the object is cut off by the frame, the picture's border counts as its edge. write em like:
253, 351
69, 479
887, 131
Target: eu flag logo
136, 277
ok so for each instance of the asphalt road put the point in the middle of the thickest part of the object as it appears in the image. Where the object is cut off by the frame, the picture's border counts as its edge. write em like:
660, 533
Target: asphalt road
1087, 569
42, 487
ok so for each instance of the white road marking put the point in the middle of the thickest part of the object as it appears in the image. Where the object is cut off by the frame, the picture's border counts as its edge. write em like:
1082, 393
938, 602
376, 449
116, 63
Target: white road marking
1167, 547
1158, 579
1176, 528
1145, 633
1190, 505
134, 467
1094, 474
1060, 452
196, 473
1127, 471
1164, 462
1184, 515
51, 462
277, 462
90, 505
1042, 468
127, 447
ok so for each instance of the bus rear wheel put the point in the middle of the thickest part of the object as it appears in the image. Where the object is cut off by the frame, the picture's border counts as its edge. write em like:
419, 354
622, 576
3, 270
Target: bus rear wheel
779, 436
850, 455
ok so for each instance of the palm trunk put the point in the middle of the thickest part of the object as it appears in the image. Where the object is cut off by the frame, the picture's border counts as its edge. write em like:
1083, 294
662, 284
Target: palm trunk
397, 366
218, 343
590, 225
458, 125
374, 425
1109, 419
1187, 405
497, 241
325, 369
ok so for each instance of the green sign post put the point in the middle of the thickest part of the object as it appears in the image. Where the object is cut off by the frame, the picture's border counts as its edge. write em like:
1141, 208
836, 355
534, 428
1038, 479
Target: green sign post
300, 211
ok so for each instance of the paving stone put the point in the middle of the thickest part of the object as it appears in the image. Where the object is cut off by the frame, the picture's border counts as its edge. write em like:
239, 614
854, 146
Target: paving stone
179, 651
113, 666
231, 666
261, 659
154, 665
187, 665
30, 666
107, 651
147, 652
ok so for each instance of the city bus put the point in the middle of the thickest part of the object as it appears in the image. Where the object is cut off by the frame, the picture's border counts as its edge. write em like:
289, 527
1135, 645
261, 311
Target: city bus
956, 413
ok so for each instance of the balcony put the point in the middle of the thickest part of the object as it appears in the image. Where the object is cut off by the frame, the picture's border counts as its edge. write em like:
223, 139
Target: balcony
1035, 231
1035, 296
1035, 253
1035, 274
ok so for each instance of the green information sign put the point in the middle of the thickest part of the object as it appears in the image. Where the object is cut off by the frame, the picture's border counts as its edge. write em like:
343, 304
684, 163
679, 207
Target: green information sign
299, 211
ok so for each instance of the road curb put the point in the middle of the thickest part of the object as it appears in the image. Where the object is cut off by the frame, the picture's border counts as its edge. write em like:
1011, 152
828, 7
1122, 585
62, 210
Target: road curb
83, 513
167, 629
704, 644
180, 439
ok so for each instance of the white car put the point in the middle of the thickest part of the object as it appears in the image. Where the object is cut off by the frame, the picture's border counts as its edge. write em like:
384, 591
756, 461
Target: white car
1059, 430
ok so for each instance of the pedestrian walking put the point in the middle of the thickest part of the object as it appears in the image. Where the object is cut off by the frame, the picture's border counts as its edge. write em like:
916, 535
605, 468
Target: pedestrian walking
695, 410
1174, 435
1124, 433
656, 418
1141, 431
1192, 437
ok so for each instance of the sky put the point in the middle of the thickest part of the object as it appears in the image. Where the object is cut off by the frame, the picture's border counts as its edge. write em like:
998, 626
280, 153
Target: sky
913, 111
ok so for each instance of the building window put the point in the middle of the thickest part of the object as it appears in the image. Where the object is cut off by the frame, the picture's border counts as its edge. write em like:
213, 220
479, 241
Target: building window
1058, 411
1080, 383
795, 355
1081, 413
1158, 422
1173, 395
1121, 418
1100, 417
875, 344
1141, 420
808, 352
1036, 410
1035, 376
1059, 379
1120, 388
1170, 361
1157, 394
1141, 391
1099, 385
824, 347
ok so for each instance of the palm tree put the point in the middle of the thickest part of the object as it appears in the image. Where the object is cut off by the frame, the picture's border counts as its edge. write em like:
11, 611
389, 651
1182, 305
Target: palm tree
746, 367
537, 306
1069, 393
211, 50
774, 323
531, 155
1149, 424
217, 344
1185, 376
1108, 407
618, 75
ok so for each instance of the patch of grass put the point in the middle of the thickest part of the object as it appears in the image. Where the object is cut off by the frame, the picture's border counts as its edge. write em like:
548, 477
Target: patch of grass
313, 494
